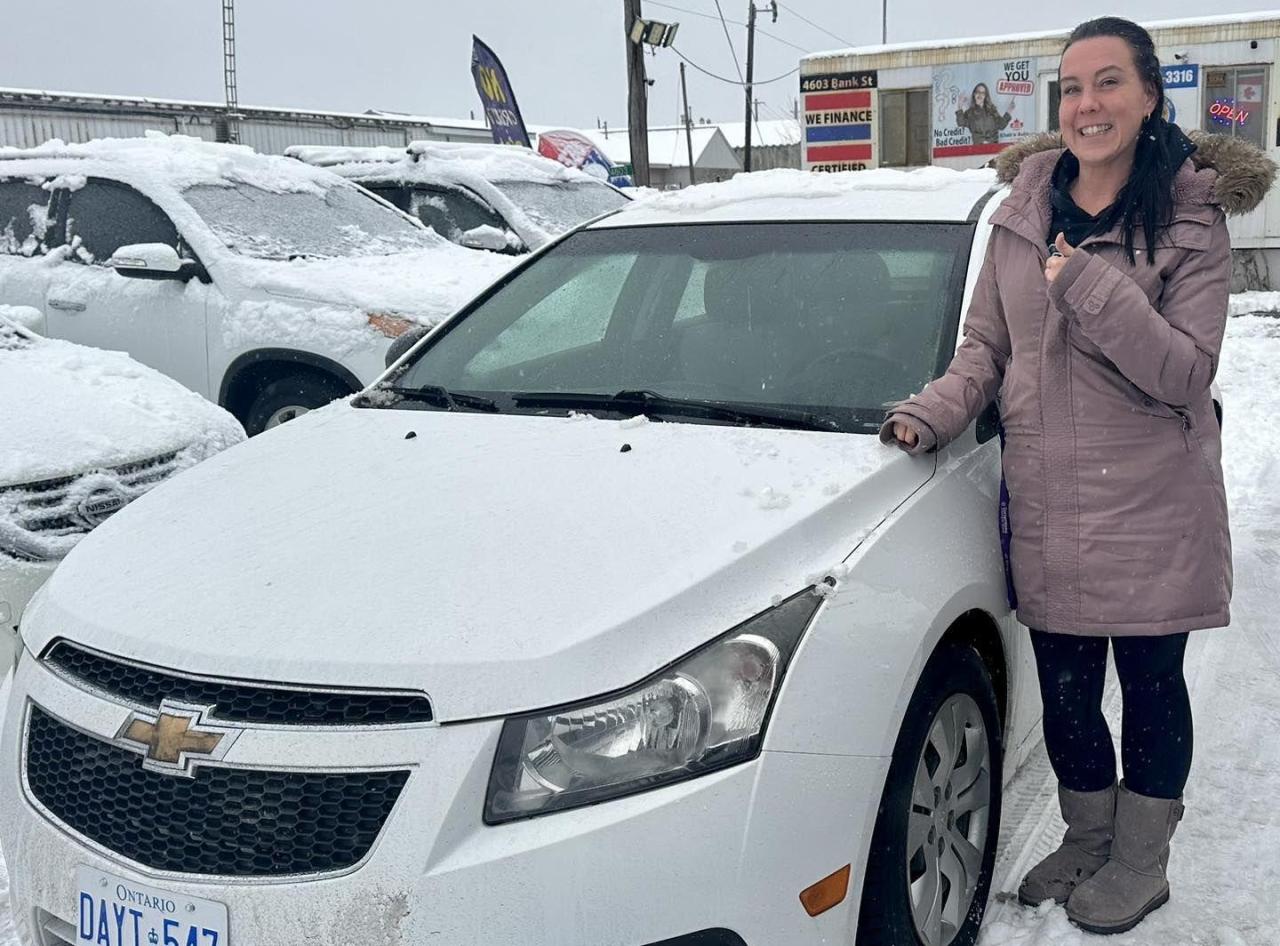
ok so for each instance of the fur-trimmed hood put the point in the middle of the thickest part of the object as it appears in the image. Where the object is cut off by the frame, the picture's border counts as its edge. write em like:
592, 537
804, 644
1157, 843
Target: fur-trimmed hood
1230, 172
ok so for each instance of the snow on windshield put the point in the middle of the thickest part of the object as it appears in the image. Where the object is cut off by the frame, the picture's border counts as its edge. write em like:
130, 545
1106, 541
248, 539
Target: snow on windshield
558, 208
338, 221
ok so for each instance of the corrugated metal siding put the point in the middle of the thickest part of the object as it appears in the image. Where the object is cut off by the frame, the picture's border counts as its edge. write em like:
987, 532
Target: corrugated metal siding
767, 157
27, 128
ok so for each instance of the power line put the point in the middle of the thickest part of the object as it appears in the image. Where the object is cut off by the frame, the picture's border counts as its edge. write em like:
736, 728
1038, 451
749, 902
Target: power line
708, 16
820, 29
733, 81
728, 40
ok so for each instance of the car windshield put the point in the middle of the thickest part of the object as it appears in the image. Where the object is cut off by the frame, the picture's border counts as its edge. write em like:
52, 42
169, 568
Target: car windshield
558, 208
835, 319
341, 220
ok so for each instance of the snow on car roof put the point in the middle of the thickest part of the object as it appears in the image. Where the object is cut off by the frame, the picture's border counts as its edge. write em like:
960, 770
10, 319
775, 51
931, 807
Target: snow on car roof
784, 194
429, 160
179, 160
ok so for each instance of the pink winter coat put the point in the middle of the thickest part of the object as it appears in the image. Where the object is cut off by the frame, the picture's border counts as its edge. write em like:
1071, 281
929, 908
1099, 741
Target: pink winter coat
1113, 455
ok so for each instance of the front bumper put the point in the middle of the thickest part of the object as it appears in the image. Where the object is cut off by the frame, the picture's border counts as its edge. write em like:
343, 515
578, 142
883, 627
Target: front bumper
716, 861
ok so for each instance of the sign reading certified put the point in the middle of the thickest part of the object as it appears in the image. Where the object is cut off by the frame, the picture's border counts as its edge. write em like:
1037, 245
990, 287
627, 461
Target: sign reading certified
839, 121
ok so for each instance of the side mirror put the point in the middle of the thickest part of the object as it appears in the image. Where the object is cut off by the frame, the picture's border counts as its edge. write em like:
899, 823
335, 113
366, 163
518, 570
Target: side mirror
155, 261
489, 238
404, 342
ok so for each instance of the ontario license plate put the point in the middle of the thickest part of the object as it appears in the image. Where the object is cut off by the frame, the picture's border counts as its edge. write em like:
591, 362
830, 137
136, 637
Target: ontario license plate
111, 911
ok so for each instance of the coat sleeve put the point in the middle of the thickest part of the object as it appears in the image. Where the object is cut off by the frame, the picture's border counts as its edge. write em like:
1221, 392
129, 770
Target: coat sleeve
1172, 353
949, 404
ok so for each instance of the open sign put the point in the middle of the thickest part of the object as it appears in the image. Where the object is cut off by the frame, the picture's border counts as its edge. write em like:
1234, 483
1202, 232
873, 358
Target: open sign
1228, 113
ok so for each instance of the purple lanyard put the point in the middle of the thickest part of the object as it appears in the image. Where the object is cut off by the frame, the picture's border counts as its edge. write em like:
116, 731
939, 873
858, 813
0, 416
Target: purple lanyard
1006, 531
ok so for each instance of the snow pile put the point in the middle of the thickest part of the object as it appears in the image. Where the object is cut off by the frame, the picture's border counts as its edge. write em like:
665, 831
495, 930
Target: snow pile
1248, 303
422, 285
1250, 437
67, 409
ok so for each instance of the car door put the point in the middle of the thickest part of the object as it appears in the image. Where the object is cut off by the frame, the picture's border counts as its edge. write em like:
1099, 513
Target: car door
26, 234
160, 322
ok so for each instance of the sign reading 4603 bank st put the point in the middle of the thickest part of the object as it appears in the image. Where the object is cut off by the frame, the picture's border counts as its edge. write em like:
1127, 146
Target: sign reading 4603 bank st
980, 108
839, 121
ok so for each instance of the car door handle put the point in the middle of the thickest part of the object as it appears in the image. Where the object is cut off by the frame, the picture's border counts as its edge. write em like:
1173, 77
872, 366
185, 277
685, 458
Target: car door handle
66, 305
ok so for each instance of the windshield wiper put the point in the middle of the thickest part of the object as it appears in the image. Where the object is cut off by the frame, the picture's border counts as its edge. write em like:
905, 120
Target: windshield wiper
431, 394
652, 403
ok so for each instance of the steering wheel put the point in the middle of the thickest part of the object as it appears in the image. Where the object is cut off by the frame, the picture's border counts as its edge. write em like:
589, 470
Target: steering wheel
880, 362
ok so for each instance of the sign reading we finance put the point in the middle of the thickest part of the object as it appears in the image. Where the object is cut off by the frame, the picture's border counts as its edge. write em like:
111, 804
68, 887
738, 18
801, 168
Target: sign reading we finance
839, 121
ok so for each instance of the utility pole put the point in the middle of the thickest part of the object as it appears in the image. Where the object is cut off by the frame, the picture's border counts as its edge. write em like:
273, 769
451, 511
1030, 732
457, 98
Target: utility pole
229, 69
751, 49
688, 126
637, 97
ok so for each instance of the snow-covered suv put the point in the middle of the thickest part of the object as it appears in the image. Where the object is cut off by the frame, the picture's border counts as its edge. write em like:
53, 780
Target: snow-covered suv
268, 286
487, 197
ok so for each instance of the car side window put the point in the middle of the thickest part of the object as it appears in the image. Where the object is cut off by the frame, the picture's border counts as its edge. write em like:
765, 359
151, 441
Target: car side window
25, 218
452, 213
103, 216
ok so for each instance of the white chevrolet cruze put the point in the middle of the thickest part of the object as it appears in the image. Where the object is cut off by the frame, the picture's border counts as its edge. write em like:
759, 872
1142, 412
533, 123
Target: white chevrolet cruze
602, 619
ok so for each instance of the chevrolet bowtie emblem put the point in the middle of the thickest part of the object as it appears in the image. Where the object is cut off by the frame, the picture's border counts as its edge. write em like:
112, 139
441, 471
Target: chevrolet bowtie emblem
176, 739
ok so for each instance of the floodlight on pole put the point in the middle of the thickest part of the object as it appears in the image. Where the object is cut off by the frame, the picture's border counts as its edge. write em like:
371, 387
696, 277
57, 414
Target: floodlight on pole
653, 33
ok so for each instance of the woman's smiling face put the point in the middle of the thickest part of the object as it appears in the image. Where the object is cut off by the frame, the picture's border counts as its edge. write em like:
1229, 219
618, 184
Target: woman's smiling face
1104, 100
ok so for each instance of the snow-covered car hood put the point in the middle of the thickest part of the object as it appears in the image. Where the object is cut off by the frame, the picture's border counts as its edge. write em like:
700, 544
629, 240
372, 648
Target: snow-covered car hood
67, 408
426, 285
499, 563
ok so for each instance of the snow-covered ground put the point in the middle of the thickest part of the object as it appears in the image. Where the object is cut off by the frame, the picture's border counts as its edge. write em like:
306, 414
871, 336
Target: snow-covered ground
1225, 865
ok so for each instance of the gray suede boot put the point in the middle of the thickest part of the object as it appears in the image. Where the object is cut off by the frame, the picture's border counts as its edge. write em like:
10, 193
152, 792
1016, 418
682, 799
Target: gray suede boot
1133, 881
1090, 818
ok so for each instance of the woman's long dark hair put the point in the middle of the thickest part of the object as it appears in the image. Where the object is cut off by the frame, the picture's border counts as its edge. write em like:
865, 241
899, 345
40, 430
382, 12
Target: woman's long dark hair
1147, 197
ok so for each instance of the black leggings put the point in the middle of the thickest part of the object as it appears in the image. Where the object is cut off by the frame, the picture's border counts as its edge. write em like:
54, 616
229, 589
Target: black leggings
1155, 739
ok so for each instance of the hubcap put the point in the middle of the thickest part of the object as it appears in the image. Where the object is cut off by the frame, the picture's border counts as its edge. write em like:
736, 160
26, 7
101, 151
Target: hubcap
947, 826
285, 414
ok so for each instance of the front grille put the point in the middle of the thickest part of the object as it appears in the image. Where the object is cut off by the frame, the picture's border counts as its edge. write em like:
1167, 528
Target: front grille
238, 702
51, 514
227, 822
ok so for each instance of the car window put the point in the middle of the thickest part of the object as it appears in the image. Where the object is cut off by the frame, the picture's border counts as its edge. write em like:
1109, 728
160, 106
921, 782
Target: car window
451, 213
558, 208
103, 216
341, 220
844, 317
575, 311
396, 194
24, 217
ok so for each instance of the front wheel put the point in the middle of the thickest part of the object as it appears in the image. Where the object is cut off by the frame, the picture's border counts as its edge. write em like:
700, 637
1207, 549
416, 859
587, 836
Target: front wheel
285, 398
934, 845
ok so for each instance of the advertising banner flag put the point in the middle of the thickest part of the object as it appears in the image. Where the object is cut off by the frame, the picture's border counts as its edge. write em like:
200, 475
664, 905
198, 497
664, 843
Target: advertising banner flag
981, 108
495, 93
840, 121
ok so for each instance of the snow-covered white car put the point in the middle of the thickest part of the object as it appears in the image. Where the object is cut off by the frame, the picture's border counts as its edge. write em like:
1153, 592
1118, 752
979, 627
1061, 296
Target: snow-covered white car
266, 285
85, 432
487, 197
603, 618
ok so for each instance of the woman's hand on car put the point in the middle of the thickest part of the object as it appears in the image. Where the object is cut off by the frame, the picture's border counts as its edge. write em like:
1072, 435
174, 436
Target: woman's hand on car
904, 434
1055, 262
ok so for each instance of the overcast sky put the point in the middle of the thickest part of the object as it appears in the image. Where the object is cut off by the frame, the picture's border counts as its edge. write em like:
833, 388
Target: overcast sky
566, 58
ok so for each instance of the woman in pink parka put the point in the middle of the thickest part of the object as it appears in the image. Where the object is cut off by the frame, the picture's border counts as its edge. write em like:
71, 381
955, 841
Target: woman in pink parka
1096, 325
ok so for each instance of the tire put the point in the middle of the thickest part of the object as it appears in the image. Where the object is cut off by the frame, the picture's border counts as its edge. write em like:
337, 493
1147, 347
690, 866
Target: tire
955, 678
285, 398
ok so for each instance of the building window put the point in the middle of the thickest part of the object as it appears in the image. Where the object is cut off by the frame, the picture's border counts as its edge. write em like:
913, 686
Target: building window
1234, 102
1055, 99
904, 128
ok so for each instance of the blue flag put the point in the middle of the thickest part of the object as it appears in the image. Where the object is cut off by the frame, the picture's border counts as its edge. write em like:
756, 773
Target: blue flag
495, 93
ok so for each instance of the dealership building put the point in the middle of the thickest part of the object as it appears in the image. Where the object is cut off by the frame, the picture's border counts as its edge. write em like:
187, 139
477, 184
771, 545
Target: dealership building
957, 103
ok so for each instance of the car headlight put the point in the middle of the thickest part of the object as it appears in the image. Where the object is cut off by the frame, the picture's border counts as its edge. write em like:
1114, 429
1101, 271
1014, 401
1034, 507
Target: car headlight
705, 712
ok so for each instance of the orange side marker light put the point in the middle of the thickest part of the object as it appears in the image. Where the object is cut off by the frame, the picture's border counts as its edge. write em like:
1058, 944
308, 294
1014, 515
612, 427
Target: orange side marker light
827, 892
